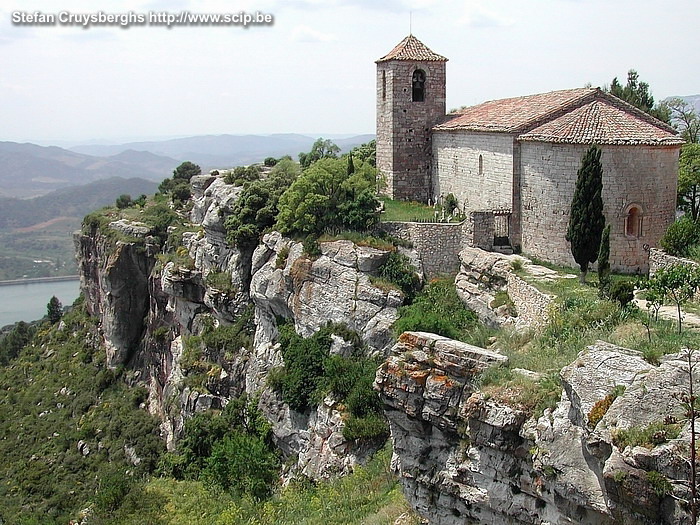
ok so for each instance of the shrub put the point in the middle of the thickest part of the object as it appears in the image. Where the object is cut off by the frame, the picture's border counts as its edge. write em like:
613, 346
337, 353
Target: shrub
622, 292
650, 436
372, 426
281, 260
659, 483
601, 407
242, 464
438, 309
450, 203
123, 201
680, 237
398, 269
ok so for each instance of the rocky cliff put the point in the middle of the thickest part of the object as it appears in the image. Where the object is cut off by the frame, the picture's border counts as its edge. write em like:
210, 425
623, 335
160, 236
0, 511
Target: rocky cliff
466, 458
462, 456
149, 307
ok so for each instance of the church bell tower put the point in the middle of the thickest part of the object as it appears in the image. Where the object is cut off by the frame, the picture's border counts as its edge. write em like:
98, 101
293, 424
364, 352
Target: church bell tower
410, 101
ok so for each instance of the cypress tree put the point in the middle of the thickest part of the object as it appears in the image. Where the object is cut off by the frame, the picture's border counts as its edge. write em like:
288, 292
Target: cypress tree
351, 164
586, 221
604, 264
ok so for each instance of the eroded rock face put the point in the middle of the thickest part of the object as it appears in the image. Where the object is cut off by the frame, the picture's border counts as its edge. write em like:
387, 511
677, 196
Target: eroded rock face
114, 279
464, 458
150, 311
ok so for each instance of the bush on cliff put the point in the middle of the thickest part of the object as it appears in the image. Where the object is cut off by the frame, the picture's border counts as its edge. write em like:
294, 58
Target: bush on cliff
310, 373
438, 309
325, 199
256, 208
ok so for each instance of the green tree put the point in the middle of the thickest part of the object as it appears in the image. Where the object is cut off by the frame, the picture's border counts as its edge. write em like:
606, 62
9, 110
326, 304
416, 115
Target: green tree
680, 237
185, 171
54, 310
604, 264
257, 207
366, 152
321, 199
351, 165
269, 162
586, 221
679, 283
123, 201
10, 345
638, 94
321, 149
242, 464
689, 180
684, 117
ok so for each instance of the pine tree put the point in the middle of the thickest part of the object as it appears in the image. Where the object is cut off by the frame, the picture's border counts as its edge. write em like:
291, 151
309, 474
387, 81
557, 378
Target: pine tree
54, 310
586, 221
351, 164
604, 264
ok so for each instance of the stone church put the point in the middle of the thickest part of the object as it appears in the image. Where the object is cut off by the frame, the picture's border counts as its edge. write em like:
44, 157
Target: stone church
517, 158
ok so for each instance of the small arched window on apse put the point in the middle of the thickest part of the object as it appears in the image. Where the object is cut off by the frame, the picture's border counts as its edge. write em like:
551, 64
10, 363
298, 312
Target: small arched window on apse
481, 164
634, 221
418, 83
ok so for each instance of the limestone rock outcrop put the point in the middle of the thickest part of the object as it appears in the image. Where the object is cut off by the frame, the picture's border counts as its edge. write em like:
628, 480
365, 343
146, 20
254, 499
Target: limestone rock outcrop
149, 307
465, 458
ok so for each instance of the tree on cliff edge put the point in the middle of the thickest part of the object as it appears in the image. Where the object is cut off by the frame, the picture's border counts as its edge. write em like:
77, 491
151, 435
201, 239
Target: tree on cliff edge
586, 220
54, 310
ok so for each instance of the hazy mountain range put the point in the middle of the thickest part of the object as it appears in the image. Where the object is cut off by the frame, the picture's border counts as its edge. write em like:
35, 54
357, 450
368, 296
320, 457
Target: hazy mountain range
223, 151
28, 170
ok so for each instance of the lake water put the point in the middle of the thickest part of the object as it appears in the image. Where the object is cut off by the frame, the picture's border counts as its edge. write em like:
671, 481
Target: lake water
27, 302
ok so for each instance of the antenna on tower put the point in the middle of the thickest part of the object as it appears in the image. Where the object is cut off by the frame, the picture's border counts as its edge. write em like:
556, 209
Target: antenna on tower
410, 22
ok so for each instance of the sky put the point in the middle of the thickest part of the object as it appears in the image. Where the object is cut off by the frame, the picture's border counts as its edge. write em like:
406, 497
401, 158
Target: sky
312, 70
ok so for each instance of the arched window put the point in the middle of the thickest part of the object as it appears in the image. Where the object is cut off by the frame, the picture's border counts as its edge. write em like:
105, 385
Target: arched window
481, 165
634, 221
418, 83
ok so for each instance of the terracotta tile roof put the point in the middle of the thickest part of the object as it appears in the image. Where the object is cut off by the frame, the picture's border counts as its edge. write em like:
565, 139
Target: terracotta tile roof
582, 115
410, 48
513, 115
600, 122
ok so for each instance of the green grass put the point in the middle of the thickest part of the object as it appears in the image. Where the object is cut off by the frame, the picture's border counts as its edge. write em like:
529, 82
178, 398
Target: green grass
370, 496
407, 211
55, 393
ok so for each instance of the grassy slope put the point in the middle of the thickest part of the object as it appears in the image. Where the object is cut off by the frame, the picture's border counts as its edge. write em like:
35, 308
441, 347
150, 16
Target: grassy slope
56, 393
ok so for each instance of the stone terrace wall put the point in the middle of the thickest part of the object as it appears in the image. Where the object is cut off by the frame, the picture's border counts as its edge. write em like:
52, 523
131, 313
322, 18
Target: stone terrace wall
439, 243
533, 306
660, 259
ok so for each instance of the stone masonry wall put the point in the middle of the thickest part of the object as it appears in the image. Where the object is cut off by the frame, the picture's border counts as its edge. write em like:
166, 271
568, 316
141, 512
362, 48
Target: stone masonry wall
439, 244
632, 175
660, 259
404, 144
533, 306
456, 168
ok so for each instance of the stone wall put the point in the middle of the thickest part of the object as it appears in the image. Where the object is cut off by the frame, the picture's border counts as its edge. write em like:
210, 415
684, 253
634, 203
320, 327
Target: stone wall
660, 259
484, 185
533, 306
439, 244
404, 145
642, 176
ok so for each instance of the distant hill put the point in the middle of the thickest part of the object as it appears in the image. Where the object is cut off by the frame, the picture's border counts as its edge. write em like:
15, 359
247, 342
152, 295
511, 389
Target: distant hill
28, 170
223, 151
69, 202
